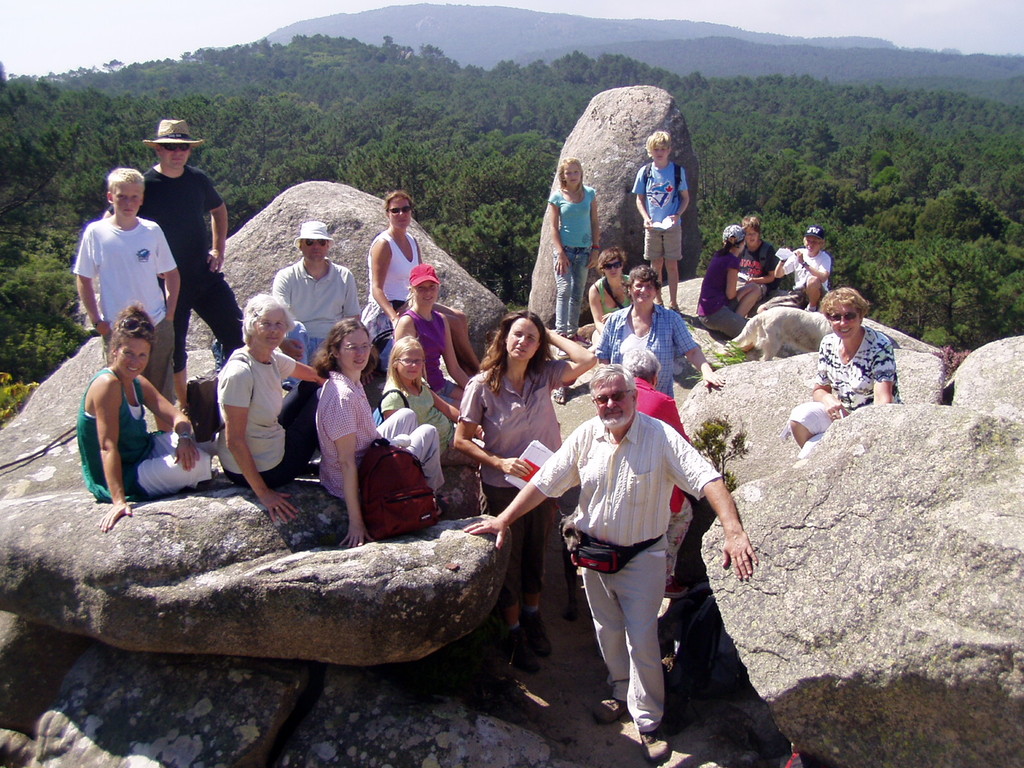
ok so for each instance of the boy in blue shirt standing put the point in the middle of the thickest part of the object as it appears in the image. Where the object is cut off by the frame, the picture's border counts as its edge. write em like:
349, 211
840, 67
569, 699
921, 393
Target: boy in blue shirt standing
661, 197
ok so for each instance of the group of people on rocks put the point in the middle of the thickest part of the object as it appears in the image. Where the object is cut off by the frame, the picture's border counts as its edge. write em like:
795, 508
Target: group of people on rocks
296, 360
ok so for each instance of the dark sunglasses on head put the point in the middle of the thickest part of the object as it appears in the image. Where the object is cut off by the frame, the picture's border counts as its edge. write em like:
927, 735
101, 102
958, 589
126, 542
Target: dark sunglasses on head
613, 265
848, 316
614, 397
310, 241
177, 147
403, 209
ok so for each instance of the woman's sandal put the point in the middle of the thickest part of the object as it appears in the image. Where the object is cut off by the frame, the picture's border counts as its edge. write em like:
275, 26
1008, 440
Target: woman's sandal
559, 395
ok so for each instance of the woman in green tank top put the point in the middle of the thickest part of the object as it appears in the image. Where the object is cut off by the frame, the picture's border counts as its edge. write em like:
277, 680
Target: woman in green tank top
122, 462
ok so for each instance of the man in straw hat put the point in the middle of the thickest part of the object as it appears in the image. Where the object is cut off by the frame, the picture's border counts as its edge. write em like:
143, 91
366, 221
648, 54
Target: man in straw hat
178, 198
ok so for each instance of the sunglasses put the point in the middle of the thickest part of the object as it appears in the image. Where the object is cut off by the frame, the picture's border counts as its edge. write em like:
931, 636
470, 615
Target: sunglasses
310, 241
848, 316
614, 397
403, 209
177, 147
613, 265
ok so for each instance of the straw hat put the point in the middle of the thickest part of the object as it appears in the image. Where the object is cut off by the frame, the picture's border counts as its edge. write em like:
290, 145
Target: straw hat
172, 132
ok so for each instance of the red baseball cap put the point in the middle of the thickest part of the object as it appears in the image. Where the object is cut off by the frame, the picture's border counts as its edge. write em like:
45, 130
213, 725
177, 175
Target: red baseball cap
423, 273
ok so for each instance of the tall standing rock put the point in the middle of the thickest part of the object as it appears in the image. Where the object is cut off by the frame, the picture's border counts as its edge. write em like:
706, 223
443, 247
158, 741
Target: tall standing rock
609, 140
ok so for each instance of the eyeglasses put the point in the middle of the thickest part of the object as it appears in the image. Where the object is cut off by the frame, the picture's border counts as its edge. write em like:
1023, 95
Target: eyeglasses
403, 209
847, 316
311, 241
613, 265
356, 347
411, 361
176, 147
614, 397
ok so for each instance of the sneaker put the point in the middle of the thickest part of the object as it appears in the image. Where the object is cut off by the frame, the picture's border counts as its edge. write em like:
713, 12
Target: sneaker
609, 711
533, 626
673, 589
654, 746
517, 647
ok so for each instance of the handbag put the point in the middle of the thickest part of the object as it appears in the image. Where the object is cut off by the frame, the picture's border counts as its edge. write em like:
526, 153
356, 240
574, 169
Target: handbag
601, 556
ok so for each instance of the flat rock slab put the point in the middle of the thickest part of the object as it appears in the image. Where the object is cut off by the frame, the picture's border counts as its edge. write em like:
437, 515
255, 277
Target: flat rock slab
213, 575
885, 626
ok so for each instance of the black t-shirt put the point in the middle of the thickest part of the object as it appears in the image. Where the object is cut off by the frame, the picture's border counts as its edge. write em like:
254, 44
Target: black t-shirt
181, 207
761, 262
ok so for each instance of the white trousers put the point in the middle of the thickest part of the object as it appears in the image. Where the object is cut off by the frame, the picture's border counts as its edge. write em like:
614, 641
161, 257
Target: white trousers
403, 429
625, 608
159, 475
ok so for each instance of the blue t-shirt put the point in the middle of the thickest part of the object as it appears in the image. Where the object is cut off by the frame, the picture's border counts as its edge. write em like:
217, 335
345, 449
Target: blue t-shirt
574, 229
663, 199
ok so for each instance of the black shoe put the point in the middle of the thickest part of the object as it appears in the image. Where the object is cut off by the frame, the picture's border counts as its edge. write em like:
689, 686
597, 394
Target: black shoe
533, 625
517, 647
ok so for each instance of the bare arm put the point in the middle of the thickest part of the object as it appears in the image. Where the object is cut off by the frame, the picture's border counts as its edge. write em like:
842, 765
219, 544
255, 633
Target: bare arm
380, 262
172, 286
451, 362
87, 294
737, 549
711, 379
595, 234
596, 309
236, 420
346, 447
684, 202
219, 229
555, 217
581, 359
186, 453
883, 392
731, 278
527, 498
823, 394
464, 433
641, 205
405, 327
304, 372
446, 408
104, 397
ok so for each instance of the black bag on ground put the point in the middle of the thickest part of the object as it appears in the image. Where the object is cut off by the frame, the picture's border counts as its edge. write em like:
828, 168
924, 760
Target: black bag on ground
201, 405
394, 493
705, 663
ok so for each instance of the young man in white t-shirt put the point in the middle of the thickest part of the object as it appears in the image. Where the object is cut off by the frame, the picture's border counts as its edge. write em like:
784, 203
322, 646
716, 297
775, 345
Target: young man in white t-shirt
812, 266
127, 255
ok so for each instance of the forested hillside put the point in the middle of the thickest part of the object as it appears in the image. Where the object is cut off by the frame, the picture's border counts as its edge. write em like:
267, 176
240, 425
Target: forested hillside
922, 192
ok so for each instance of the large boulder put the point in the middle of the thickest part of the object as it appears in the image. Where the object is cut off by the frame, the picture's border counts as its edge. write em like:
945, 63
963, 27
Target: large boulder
758, 396
609, 140
213, 575
885, 624
130, 709
990, 379
265, 245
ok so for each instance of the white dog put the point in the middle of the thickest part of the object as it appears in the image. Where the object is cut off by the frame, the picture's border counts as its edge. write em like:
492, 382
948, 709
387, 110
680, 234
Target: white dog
783, 327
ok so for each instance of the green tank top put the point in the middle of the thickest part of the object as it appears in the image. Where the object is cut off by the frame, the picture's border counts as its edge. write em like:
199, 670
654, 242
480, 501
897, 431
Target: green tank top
134, 442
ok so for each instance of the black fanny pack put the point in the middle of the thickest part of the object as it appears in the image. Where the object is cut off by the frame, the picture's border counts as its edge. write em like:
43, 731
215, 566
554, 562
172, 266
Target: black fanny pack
597, 555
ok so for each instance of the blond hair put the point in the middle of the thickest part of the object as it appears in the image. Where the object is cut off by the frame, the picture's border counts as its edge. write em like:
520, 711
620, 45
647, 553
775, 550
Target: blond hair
658, 140
564, 165
120, 176
400, 349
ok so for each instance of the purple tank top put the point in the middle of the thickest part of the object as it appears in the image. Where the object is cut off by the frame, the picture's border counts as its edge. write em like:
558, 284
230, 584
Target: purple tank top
431, 336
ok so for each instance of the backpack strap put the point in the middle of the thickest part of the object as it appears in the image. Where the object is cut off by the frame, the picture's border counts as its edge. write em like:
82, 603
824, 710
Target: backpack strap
380, 411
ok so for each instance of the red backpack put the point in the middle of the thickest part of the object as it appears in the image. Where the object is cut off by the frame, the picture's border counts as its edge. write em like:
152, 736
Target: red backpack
394, 492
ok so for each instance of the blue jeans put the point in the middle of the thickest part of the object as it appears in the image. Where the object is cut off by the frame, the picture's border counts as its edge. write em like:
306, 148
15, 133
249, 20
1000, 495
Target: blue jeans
571, 286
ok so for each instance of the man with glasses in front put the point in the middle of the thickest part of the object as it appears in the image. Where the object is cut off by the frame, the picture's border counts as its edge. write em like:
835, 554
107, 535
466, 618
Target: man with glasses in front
179, 197
626, 464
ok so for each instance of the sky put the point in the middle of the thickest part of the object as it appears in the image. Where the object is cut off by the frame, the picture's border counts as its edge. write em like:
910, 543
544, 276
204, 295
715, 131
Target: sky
38, 37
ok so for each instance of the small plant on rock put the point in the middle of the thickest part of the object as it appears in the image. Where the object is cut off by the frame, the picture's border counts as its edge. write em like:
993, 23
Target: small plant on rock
729, 353
713, 441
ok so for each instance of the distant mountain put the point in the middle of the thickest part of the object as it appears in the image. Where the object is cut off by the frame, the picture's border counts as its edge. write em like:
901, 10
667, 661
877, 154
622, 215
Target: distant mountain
484, 35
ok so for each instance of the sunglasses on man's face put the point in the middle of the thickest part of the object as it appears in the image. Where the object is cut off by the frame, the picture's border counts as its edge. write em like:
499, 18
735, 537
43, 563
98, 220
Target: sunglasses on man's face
403, 209
310, 241
176, 147
847, 316
613, 396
